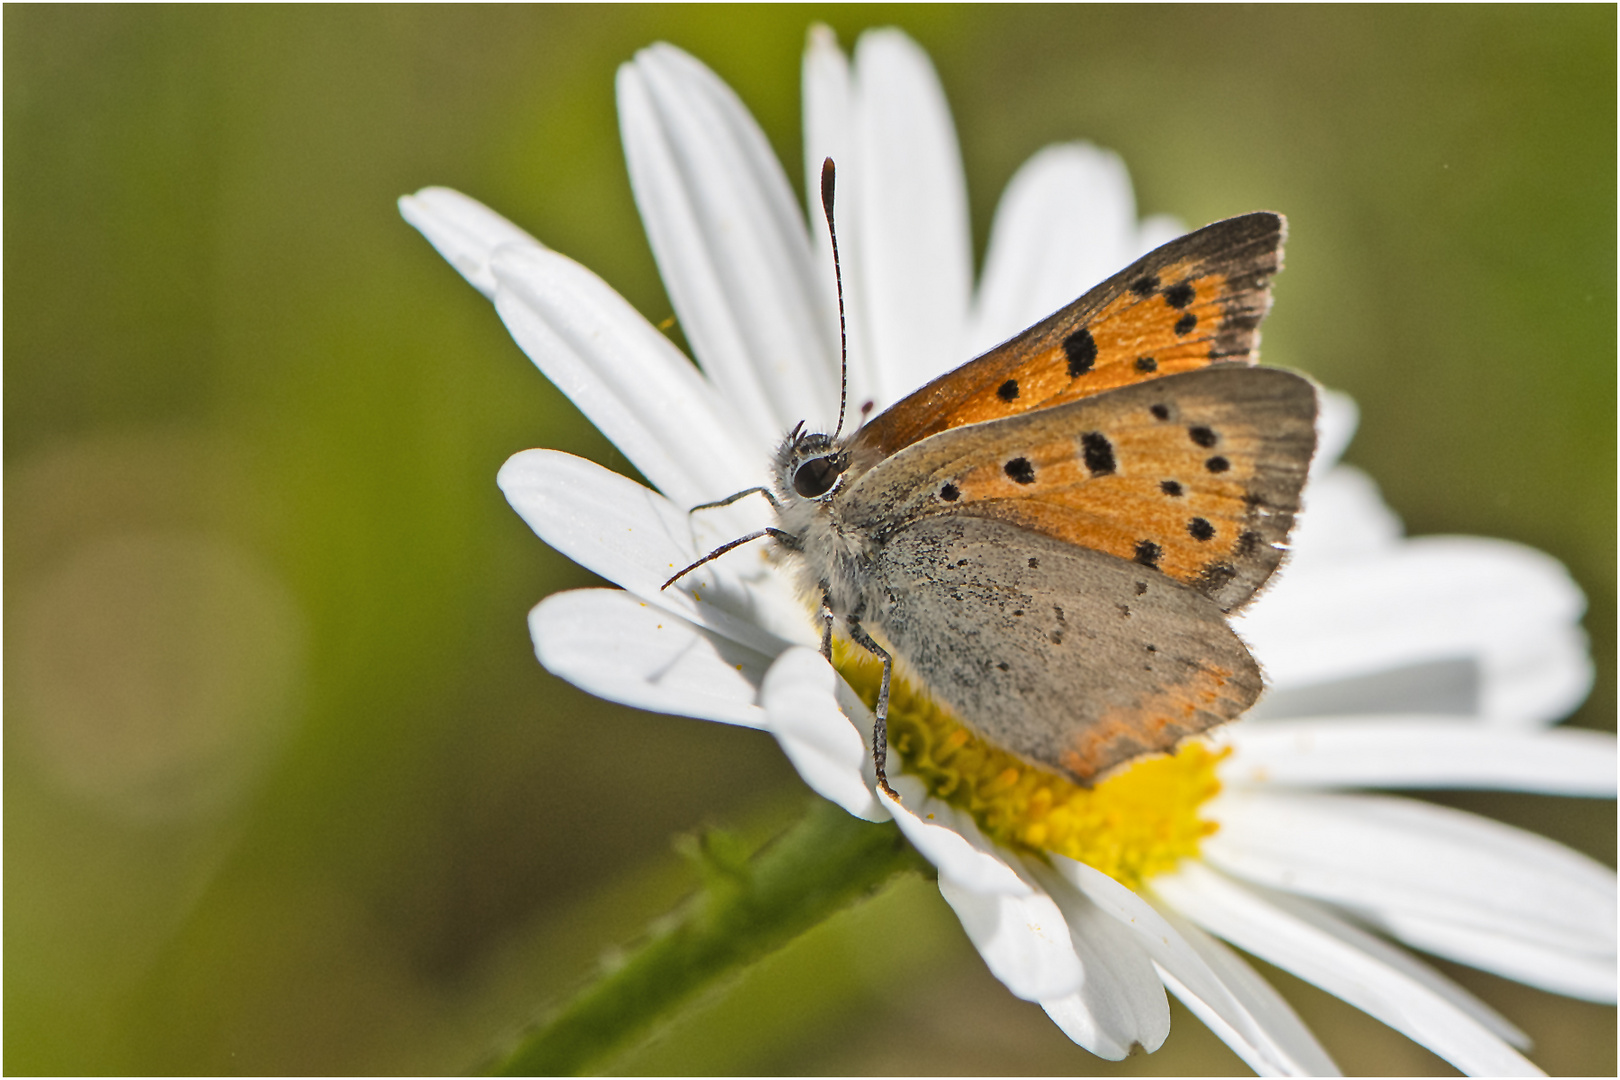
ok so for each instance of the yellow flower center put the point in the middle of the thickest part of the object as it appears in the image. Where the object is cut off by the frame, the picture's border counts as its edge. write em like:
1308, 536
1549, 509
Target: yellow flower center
1140, 821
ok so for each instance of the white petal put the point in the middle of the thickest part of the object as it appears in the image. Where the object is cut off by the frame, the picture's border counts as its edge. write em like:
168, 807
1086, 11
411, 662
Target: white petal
829, 125
1120, 1006
952, 842
1578, 975
1016, 927
1066, 222
636, 538
1541, 683
1439, 688
1420, 752
1408, 866
1023, 939
1220, 989
1508, 607
610, 644
1336, 419
625, 377
813, 714
916, 269
730, 244
463, 230
1345, 517
1288, 1049
1353, 965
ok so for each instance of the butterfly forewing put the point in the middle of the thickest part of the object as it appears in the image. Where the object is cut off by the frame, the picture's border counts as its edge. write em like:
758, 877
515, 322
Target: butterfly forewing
1190, 303
1196, 475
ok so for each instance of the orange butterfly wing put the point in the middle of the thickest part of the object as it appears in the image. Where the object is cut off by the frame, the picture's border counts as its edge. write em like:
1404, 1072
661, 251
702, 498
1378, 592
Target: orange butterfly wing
1196, 475
1196, 300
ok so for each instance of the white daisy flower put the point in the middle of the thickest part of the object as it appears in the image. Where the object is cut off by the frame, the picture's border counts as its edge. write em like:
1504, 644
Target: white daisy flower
1392, 662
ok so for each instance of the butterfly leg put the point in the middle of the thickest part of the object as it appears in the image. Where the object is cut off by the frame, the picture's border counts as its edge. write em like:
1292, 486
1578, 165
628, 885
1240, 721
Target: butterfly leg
826, 617
743, 494
880, 727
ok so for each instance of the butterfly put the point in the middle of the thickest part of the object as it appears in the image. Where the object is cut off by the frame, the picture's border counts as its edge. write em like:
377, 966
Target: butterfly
1049, 537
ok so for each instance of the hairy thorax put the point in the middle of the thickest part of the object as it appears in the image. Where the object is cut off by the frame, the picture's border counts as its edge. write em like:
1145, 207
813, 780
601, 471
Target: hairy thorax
831, 559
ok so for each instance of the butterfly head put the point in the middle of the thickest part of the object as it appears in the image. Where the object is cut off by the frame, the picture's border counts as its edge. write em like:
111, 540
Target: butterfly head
809, 465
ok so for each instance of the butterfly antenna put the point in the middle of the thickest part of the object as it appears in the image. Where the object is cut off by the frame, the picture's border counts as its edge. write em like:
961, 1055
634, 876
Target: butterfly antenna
828, 178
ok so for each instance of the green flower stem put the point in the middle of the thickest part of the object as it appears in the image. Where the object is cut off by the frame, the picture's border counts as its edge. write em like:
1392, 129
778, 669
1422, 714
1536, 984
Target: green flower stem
748, 907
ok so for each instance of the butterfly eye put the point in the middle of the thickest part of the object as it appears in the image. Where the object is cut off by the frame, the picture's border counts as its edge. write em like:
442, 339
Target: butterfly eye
815, 477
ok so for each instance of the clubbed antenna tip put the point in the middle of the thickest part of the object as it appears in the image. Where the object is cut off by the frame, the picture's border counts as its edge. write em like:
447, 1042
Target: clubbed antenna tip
829, 178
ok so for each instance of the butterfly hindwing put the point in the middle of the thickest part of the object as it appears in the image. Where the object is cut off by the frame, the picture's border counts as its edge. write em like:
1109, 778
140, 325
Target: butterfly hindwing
1195, 301
1196, 475
1067, 657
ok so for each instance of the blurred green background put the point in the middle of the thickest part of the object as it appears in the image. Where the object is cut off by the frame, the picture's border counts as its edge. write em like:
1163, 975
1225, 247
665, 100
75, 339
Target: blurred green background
285, 790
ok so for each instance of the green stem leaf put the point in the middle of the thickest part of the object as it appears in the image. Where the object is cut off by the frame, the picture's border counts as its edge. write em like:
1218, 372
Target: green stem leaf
747, 908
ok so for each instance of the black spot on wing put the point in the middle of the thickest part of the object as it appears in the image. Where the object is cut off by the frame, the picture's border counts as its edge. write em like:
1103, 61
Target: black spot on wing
1020, 470
1248, 543
1146, 364
1179, 296
950, 493
1160, 412
1201, 435
1098, 452
1147, 553
1170, 488
1185, 324
1081, 349
1200, 529
1008, 391
1217, 464
1145, 285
